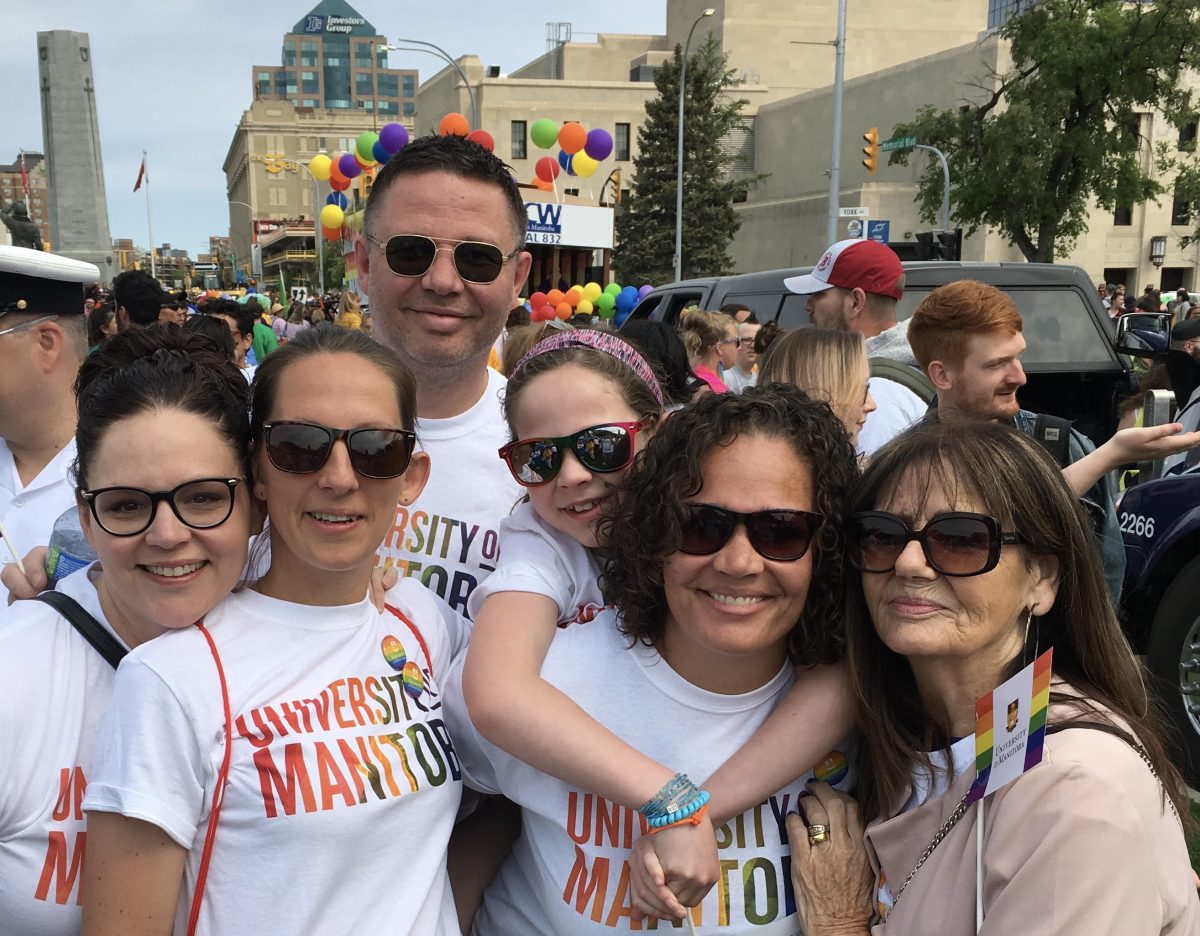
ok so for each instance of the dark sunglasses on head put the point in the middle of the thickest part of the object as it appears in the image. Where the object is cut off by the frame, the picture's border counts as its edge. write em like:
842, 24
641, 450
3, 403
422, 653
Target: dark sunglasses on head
954, 544
604, 448
413, 255
127, 511
779, 535
302, 448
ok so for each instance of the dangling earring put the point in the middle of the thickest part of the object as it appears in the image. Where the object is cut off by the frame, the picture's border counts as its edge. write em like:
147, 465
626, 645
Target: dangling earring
1025, 660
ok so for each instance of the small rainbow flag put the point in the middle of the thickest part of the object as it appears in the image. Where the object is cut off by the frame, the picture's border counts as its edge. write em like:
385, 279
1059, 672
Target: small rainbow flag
1003, 751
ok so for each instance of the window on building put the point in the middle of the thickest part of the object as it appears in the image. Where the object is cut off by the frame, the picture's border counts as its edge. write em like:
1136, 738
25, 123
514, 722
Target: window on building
388, 86
308, 46
309, 102
409, 85
337, 102
368, 104
520, 140
1181, 211
363, 85
1187, 135
1123, 216
409, 108
622, 142
345, 144
264, 76
320, 143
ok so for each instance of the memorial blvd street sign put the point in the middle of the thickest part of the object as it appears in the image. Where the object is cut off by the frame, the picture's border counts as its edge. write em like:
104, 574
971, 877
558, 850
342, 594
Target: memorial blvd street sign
898, 143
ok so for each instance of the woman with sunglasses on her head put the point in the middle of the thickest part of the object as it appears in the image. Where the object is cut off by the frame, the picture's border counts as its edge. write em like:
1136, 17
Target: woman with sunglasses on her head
711, 342
975, 558
163, 500
283, 766
709, 565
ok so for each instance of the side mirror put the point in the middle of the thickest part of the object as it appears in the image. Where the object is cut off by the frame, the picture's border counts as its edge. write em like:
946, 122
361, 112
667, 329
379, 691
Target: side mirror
1144, 334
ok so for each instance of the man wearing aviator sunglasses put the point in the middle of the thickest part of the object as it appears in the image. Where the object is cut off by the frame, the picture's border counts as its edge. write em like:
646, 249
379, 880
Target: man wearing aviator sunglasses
442, 255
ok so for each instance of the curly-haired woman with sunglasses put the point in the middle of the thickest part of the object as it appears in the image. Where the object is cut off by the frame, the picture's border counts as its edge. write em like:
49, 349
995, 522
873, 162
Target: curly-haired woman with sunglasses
729, 515
283, 766
161, 481
975, 560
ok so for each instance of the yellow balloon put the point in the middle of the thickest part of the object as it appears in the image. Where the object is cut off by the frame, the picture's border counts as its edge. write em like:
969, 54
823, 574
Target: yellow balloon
592, 291
332, 216
583, 164
584, 307
319, 166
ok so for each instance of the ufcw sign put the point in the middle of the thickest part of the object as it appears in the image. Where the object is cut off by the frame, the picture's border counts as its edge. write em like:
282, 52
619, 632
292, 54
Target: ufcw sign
568, 225
544, 218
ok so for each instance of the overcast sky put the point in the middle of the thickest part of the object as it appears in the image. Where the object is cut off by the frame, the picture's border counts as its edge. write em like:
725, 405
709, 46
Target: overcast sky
173, 78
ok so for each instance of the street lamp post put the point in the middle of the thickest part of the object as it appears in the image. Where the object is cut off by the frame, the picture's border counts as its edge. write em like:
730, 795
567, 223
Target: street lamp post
709, 11
432, 49
835, 148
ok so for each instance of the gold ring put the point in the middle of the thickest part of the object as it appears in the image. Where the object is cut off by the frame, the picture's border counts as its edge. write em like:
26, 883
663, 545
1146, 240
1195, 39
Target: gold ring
817, 834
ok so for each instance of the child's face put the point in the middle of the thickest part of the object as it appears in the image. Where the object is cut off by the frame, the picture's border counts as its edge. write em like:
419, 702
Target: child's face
560, 403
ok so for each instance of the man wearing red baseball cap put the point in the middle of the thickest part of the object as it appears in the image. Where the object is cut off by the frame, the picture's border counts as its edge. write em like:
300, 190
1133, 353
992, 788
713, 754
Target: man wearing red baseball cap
855, 286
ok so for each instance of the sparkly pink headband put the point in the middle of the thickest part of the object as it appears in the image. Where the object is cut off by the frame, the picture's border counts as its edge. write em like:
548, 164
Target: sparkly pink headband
598, 341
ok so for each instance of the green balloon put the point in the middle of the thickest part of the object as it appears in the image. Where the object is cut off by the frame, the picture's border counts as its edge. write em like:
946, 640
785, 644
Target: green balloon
605, 302
544, 133
612, 289
365, 144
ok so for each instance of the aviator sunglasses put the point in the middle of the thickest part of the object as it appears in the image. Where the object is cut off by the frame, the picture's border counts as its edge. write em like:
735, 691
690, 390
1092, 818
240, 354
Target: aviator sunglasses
413, 254
954, 544
302, 448
778, 535
604, 448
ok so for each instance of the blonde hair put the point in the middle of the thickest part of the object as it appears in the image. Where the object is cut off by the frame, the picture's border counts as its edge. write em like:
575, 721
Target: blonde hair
704, 330
823, 362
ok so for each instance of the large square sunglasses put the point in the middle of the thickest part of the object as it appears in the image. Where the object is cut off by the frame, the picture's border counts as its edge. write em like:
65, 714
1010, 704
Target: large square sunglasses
127, 511
778, 535
413, 254
604, 448
302, 448
955, 543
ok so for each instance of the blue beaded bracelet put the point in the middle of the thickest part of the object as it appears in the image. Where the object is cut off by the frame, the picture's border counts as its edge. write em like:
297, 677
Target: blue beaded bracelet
683, 812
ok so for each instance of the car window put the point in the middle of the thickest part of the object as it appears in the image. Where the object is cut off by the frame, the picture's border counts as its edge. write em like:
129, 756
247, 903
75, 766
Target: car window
676, 302
793, 314
646, 307
765, 306
1058, 325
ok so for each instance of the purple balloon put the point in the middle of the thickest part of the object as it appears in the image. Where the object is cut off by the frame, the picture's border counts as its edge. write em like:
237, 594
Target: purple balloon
349, 165
393, 137
599, 144
645, 289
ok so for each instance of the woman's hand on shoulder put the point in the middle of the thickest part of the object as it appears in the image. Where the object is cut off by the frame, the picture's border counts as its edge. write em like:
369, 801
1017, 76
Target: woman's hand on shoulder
382, 579
673, 869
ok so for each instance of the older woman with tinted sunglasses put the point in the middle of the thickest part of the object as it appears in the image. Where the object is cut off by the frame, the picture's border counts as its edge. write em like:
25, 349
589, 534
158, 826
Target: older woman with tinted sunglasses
283, 764
975, 559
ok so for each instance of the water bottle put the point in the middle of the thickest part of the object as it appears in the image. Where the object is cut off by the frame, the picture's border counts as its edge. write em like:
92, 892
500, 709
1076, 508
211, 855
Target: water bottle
69, 549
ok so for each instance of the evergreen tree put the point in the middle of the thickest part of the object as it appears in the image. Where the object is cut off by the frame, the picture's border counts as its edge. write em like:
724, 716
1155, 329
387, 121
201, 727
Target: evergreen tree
645, 226
1058, 132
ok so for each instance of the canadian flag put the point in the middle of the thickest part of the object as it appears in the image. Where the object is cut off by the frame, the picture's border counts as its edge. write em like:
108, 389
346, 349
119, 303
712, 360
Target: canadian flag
141, 175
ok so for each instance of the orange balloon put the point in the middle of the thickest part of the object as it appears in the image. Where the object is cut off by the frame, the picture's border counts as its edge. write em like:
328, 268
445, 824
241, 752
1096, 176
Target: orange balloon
331, 233
458, 125
572, 138
563, 310
573, 295
555, 297
543, 184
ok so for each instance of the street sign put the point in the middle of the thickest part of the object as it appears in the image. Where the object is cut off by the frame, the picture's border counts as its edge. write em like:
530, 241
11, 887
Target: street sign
879, 231
854, 229
854, 212
898, 143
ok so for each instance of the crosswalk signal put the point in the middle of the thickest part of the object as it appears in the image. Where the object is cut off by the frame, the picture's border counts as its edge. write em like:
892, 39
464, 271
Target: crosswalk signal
871, 150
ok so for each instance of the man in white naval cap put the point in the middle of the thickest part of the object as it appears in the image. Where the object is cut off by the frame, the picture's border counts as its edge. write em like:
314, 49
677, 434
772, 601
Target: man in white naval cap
43, 340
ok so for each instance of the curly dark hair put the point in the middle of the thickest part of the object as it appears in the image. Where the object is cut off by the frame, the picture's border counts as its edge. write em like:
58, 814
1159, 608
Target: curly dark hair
668, 474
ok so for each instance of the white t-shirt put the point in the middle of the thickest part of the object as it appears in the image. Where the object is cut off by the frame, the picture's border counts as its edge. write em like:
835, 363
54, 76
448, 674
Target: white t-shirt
449, 537
738, 380
568, 872
897, 408
29, 512
343, 783
544, 561
54, 688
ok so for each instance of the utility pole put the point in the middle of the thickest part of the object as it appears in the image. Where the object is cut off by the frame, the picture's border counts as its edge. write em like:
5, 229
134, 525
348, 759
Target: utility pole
835, 146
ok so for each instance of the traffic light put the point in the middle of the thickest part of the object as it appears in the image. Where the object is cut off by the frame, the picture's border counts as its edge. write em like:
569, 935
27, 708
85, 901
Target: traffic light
949, 245
926, 246
871, 150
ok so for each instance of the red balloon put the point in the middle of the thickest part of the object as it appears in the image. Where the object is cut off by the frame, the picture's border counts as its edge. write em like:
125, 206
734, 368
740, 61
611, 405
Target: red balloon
454, 125
537, 300
572, 138
544, 314
339, 184
483, 138
547, 168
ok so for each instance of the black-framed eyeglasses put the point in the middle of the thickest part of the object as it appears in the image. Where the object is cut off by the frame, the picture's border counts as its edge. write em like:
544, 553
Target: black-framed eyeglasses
413, 254
127, 511
746, 342
302, 448
604, 448
955, 543
779, 535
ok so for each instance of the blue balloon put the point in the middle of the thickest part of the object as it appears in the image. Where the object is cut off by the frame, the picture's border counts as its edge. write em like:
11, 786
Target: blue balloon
380, 152
564, 160
621, 316
337, 198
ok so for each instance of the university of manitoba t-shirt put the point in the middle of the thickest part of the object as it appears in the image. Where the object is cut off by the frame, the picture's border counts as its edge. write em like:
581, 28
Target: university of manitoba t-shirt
569, 870
343, 782
448, 539
54, 688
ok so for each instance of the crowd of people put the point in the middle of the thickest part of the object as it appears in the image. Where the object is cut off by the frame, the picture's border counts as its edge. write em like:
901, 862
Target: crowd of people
689, 623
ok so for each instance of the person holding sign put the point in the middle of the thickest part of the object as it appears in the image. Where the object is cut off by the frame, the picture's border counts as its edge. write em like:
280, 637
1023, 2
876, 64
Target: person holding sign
977, 571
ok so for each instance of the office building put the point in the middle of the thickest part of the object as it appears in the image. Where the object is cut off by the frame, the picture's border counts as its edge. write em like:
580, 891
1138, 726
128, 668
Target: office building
29, 188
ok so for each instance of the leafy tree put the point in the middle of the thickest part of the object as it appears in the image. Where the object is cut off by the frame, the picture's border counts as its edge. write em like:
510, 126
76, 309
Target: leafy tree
335, 267
1058, 132
645, 224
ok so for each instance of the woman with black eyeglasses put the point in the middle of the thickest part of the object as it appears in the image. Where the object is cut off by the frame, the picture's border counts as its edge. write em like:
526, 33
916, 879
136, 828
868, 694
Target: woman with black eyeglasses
161, 481
283, 766
723, 564
975, 560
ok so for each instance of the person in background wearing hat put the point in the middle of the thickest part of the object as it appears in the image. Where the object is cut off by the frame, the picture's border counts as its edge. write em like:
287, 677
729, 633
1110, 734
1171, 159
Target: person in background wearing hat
43, 340
855, 286
174, 309
23, 230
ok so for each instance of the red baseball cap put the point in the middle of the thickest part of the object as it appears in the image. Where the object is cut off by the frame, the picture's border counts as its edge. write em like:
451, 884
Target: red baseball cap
854, 264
